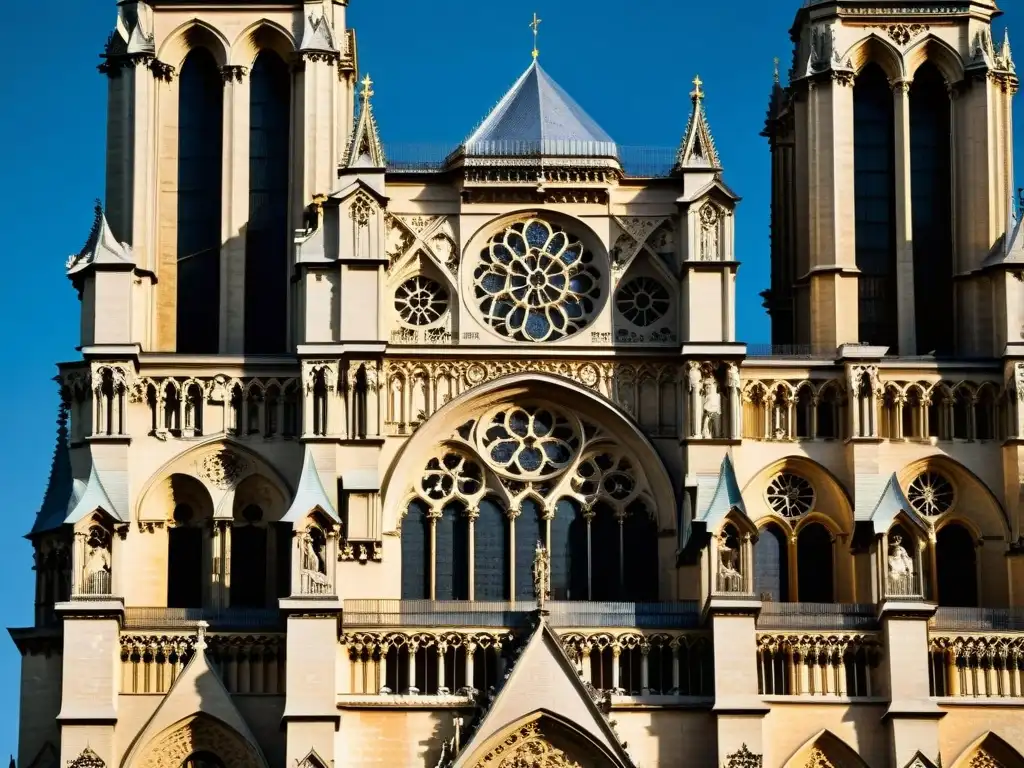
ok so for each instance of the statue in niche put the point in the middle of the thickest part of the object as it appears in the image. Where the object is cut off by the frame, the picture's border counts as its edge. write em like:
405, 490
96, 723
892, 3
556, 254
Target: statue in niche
730, 578
712, 425
314, 562
709, 218
541, 566
901, 567
97, 562
732, 376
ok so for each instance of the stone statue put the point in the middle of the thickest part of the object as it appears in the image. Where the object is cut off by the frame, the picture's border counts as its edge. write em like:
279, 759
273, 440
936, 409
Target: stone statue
901, 568
732, 376
314, 566
541, 575
97, 563
712, 423
730, 579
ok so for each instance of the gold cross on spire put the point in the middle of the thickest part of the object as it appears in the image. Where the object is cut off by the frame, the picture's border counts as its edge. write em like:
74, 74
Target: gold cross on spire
535, 26
697, 93
367, 87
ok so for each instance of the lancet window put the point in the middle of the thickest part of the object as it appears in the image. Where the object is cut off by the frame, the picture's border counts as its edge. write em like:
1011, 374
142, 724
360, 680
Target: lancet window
200, 110
519, 477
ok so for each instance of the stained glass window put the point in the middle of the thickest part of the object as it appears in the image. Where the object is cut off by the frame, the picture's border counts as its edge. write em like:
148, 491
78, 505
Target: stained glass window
536, 282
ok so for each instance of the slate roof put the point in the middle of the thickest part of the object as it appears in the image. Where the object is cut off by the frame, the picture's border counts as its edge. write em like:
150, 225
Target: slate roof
538, 117
310, 494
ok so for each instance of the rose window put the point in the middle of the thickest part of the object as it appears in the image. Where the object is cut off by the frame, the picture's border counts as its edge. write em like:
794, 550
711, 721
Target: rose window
642, 301
452, 475
790, 495
536, 282
530, 441
930, 494
421, 301
605, 476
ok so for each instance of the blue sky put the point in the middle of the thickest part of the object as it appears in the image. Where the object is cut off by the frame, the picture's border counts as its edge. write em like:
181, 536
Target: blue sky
437, 68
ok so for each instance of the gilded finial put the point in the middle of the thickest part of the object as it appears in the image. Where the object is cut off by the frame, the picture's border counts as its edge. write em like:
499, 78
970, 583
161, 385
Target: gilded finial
776, 70
367, 87
535, 26
697, 93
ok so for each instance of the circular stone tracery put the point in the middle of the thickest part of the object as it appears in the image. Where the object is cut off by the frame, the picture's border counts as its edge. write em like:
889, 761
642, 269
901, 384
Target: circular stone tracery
536, 282
642, 301
790, 495
930, 494
421, 301
530, 441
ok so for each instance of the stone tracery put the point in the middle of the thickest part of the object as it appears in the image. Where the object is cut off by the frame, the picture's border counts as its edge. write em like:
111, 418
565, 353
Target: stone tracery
536, 282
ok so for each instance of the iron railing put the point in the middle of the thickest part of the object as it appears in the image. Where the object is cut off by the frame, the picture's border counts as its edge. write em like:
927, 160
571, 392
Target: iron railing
476, 613
980, 619
219, 619
636, 161
817, 616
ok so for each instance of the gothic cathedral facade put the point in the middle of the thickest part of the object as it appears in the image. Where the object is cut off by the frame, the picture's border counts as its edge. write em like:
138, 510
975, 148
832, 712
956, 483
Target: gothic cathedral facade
372, 460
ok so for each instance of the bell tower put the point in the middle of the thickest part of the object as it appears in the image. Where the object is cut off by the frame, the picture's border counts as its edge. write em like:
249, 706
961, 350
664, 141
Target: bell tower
892, 179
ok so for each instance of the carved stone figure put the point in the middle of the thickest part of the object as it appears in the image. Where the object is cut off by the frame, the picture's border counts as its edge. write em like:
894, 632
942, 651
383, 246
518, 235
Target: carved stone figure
541, 566
314, 564
901, 568
712, 423
730, 578
709, 241
97, 563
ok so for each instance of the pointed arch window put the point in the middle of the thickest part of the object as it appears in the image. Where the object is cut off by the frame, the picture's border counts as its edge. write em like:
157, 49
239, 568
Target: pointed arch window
874, 172
771, 565
185, 557
200, 121
815, 578
491, 549
531, 528
931, 201
266, 243
956, 563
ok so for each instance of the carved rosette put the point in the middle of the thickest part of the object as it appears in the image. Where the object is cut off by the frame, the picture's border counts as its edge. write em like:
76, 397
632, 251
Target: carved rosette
223, 469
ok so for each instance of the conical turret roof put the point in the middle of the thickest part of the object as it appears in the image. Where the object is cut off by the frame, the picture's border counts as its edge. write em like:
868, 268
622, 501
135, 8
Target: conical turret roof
538, 117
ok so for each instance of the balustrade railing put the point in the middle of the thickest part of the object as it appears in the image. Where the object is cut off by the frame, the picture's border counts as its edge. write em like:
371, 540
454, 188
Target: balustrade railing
222, 619
561, 614
817, 616
96, 584
445, 663
979, 619
977, 666
841, 664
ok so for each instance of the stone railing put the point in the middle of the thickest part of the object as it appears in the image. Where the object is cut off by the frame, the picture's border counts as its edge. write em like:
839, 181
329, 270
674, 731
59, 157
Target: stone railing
425, 662
976, 666
644, 664
817, 616
223, 619
246, 663
797, 664
684, 614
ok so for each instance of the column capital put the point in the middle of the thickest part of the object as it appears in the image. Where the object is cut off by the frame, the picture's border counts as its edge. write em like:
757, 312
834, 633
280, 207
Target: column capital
233, 73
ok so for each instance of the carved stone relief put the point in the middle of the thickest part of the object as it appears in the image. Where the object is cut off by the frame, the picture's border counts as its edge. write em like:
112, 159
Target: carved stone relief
200, 735
223, 469
88, 759
527, 747
743, 758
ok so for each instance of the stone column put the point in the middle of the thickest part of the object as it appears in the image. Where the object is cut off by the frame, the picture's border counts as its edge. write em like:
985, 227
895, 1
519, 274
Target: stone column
906, 317
235, 209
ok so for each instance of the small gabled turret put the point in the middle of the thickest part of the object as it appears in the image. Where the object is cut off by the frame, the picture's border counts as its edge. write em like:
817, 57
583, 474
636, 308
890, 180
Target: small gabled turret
102, 274
697, 149
318, 36
132, 37
365, 150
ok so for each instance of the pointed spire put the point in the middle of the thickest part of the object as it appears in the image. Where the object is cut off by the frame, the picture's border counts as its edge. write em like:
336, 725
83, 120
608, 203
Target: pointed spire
60, 490
1005, 59
697, 149
366, 149
727, 496
310, 494
101, 248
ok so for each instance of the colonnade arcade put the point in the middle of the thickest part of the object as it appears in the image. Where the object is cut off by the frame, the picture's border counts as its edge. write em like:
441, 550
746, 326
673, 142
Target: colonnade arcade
526, 465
